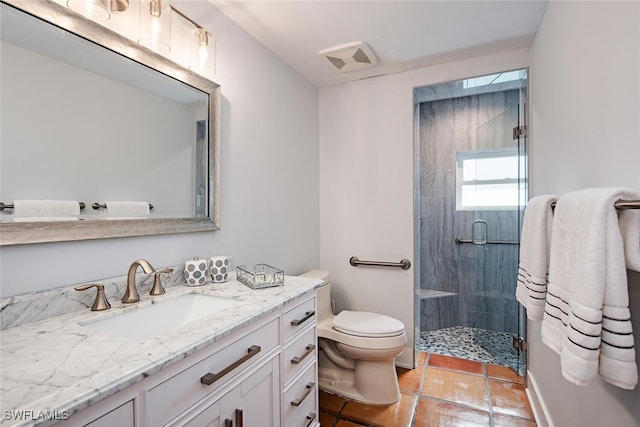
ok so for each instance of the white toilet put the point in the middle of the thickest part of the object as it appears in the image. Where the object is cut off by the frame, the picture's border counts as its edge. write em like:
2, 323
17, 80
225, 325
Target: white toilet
357, 350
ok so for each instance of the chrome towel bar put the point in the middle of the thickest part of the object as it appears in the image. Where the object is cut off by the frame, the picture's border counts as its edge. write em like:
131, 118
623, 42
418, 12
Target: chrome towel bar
4, 206
98, 206
404, 264
620, 204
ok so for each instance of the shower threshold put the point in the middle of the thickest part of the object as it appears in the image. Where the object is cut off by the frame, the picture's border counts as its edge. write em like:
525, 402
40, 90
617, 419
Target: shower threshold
471, 343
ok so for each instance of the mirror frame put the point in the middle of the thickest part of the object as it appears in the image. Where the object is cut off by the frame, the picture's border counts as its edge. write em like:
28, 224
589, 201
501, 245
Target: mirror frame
16, 233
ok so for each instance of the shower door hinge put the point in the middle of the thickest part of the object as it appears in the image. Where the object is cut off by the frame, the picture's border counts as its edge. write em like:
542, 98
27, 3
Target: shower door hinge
520, 132
519, 343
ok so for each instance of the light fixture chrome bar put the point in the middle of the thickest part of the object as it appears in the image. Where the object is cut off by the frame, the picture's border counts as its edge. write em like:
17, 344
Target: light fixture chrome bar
201, 33
194, 23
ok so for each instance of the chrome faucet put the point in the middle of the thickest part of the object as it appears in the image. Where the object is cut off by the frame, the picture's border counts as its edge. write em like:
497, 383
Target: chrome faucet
131, 295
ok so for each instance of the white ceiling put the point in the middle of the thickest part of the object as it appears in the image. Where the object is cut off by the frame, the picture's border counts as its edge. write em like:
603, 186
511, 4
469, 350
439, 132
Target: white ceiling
402, 34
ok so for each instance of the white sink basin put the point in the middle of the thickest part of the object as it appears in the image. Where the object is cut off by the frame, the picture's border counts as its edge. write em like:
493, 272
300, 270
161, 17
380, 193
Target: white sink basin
161, 317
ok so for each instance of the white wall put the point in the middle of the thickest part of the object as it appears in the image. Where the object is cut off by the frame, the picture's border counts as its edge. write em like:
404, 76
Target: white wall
585, 104
366, 184
269, 180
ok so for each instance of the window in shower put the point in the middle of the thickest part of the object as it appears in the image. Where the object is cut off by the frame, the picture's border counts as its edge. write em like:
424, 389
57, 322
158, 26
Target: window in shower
488, 179
494, 79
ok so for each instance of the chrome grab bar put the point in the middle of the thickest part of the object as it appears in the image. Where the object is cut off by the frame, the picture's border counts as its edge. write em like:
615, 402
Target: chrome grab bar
404, 264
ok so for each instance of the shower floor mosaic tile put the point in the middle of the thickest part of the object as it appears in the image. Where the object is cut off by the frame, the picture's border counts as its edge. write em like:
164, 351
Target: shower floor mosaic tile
470, 343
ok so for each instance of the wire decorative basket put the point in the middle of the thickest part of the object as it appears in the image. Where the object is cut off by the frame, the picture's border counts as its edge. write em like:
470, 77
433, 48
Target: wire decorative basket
263, 276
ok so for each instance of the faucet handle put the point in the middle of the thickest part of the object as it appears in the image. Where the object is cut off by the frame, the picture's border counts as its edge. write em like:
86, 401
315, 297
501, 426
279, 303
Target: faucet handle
101, 302
157, 286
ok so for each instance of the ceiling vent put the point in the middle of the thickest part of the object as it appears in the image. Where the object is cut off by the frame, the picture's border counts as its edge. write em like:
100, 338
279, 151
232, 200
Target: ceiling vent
350, 57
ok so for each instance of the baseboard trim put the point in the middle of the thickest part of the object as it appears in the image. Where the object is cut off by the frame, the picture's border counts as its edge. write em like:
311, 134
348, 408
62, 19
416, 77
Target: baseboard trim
540, 410
406, 358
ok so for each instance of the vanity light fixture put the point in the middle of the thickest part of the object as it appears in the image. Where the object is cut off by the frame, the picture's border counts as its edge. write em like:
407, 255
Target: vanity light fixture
96, 10
195, 46
201, 56
155, 25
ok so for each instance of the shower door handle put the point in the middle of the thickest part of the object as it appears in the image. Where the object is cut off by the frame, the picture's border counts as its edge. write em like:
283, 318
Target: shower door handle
483, 225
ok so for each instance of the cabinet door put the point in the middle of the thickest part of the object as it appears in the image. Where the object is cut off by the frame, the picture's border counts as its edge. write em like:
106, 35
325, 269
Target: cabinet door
210, 417
261, 397
122, 416
255, 402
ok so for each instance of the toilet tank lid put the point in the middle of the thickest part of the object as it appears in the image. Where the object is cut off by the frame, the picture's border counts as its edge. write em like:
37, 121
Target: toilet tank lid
365, 324
317, 274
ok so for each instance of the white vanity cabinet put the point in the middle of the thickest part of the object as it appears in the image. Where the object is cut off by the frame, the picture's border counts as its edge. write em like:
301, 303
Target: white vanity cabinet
299, 366
262, 375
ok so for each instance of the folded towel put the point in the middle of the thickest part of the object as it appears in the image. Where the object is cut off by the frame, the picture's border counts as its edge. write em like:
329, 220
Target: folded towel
127, 209
630, 227
533, 270
46, 208
587, 319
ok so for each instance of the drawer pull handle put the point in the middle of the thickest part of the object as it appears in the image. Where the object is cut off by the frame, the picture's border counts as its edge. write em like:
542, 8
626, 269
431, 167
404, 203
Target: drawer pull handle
310, 416
239, 419
228, 423
309, 349
298, 400
210, 378
308, 315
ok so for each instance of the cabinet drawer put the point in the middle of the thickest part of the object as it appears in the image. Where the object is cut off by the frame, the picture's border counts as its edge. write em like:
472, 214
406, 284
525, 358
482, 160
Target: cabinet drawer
298, 354
301, 400
178, 393
298, 317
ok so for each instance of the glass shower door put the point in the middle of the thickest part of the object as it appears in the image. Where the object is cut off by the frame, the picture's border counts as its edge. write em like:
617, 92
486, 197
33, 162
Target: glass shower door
492, 192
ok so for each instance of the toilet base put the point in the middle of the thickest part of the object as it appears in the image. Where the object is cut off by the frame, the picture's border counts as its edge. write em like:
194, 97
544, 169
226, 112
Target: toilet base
361, 384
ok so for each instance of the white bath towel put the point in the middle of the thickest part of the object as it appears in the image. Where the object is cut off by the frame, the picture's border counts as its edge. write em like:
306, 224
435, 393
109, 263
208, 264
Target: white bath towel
587, 319
45, 208
533, 270
127, 209
630, 227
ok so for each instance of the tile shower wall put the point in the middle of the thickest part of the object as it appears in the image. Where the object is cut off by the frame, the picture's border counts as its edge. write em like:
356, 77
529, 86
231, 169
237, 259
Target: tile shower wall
479, 281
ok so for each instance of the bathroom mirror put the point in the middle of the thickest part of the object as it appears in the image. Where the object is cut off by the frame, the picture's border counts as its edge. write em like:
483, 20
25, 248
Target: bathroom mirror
89, 115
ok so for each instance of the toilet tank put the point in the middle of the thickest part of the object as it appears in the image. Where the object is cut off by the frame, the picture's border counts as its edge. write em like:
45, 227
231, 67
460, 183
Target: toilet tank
323, 293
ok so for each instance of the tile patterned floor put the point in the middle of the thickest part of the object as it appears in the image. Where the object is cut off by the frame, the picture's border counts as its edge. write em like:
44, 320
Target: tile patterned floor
441, 391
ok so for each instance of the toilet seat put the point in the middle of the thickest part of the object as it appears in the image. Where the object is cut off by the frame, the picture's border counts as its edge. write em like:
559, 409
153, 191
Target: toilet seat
365, 324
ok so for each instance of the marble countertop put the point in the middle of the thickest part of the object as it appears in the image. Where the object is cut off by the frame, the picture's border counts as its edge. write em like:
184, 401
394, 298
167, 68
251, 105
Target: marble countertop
56, 364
